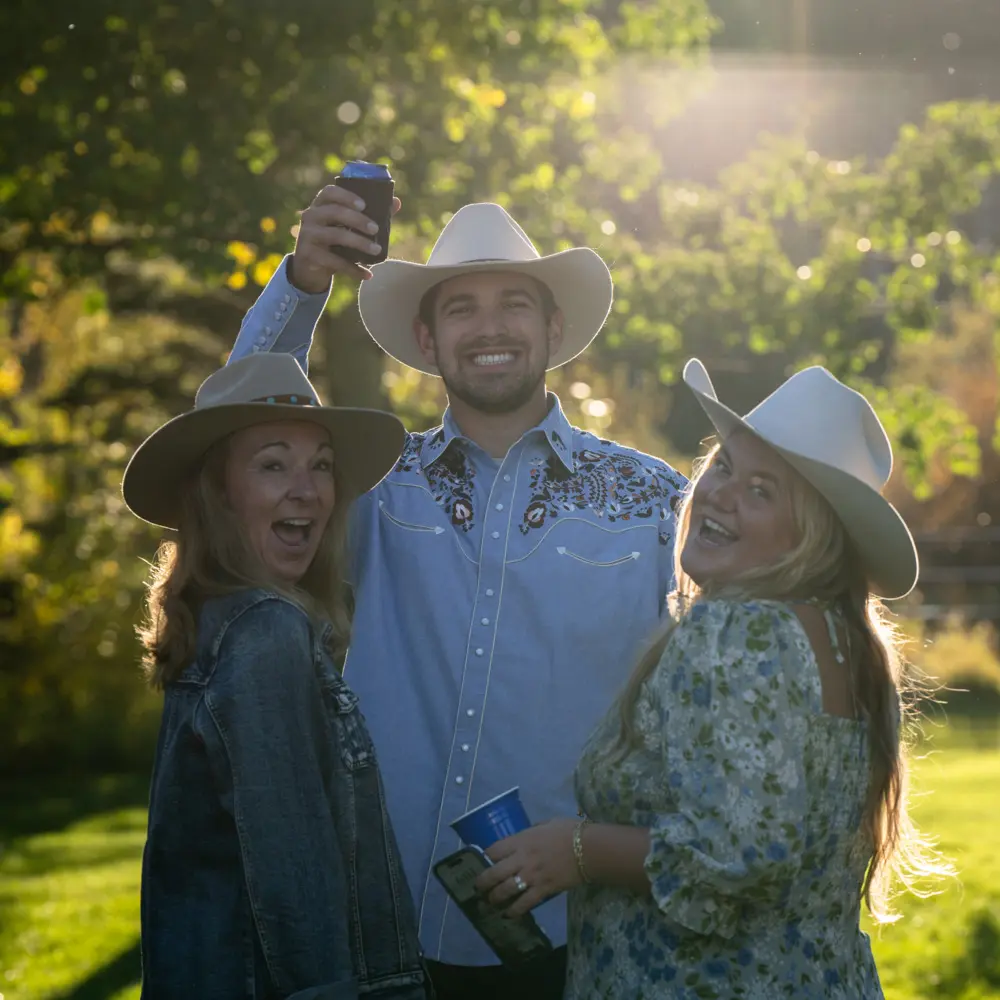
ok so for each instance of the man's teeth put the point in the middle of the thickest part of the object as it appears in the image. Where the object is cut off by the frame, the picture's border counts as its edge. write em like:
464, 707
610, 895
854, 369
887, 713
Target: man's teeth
493, 359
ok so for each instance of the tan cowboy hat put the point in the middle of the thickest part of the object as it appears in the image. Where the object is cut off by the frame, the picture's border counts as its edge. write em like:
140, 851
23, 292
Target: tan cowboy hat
257, 389
832, 437
483, 237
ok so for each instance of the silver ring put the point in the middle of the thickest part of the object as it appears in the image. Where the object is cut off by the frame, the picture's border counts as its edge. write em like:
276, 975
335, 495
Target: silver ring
520, 884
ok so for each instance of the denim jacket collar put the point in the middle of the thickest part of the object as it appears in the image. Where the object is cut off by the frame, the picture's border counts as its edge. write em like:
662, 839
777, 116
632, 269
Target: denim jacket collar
214, 619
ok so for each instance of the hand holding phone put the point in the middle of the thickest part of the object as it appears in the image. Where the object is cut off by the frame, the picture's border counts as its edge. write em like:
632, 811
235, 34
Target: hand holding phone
513, 940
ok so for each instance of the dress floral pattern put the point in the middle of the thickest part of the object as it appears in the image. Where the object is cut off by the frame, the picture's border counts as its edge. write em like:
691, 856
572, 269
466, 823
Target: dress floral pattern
753, 797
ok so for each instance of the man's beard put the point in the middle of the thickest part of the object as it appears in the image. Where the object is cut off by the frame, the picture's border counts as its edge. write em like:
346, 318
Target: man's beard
502, 395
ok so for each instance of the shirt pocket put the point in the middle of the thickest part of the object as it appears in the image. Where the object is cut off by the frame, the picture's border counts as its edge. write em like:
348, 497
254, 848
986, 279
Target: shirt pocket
607, 558
400, 520
606, 580
353, 740
576, 545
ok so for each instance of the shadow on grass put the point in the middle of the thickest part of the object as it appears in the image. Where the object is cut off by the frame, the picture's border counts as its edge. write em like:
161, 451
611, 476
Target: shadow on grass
27, 859
979, 965
48, 804
123, 970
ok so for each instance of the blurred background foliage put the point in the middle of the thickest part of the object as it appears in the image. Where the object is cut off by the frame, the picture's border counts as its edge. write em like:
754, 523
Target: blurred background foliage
153, 157
774, 183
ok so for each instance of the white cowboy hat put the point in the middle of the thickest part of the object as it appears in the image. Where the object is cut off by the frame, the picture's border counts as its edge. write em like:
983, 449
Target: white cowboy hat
830, 435
257, 389
483, 237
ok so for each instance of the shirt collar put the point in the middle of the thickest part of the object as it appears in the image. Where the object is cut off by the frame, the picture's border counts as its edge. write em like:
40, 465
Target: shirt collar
437, 441
556, 427
559, 432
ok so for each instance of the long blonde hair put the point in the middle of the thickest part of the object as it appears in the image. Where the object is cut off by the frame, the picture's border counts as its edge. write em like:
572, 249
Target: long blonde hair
824, 565
212, 556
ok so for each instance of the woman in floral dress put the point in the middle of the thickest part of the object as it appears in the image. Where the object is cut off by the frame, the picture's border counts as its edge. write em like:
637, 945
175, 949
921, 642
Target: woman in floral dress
747, 791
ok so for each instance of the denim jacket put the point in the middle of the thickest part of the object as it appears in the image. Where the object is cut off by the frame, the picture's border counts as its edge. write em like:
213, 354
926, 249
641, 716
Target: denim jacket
270, 868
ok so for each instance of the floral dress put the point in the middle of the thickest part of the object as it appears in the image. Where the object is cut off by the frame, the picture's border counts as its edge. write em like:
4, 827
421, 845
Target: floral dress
753, 797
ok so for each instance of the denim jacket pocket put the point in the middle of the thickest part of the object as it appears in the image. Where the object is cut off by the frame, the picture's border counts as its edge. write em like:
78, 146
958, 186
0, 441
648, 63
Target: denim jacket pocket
354, 742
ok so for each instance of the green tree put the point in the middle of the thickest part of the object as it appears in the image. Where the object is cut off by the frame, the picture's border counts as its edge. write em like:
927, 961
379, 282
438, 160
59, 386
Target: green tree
152, 157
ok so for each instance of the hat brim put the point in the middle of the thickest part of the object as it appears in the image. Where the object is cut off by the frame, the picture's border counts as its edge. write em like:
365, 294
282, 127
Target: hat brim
578, 278
366, 445
880, 534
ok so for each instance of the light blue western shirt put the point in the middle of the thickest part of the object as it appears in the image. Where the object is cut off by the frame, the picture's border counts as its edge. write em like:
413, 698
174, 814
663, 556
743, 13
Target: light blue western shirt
500, 606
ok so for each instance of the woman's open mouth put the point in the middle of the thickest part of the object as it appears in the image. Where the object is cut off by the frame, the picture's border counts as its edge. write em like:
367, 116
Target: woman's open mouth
712, 532
293, 531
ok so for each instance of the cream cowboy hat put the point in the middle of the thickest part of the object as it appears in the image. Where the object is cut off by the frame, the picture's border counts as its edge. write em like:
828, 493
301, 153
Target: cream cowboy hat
260, 388
483, 237
832, 437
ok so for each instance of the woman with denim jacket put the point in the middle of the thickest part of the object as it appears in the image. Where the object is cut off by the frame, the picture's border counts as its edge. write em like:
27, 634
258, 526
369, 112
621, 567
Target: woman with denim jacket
270, 868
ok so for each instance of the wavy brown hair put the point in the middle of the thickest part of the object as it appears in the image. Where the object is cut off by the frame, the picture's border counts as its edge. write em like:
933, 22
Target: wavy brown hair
210, 555
824, 565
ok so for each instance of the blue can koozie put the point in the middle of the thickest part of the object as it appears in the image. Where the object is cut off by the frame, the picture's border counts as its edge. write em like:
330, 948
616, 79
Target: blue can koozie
373, 183
492, 821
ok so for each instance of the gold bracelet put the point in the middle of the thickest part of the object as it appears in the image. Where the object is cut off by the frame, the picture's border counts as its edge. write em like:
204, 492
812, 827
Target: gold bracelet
578, 849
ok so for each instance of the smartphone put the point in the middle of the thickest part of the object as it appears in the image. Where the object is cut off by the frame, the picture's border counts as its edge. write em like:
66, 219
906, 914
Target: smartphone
514, 941
373, 183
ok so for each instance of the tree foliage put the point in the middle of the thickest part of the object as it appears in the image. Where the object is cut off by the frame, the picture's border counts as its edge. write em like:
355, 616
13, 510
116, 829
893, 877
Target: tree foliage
153, 157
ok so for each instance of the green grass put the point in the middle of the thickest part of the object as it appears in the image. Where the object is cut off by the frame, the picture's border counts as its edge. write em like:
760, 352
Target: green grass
948, 946
69, 887
69, 890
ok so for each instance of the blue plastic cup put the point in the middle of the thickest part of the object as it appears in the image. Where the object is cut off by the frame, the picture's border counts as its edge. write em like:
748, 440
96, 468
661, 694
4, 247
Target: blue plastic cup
492, 821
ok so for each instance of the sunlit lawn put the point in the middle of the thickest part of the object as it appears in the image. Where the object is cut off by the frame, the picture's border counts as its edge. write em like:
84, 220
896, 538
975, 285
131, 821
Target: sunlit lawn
69, 889
69, 893
949, 945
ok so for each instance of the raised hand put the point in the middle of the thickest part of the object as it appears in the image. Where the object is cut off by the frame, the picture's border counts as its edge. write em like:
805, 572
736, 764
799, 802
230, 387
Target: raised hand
335, 218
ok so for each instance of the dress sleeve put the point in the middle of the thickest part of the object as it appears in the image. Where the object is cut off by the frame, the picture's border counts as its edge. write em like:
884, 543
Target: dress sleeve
734, 703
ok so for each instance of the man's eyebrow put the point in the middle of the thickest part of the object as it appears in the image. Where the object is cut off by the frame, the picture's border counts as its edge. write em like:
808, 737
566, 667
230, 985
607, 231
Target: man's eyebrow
510, 292
458, 297
466, 298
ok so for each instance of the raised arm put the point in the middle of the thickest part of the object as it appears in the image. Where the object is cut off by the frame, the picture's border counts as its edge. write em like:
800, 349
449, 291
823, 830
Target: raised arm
264, 733
285, 315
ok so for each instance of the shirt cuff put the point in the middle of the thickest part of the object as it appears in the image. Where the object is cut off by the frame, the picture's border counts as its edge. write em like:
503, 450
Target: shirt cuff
281, 274
282, 319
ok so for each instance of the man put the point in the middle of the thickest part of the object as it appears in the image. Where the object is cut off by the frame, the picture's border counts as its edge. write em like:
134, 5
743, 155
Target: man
507, 567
